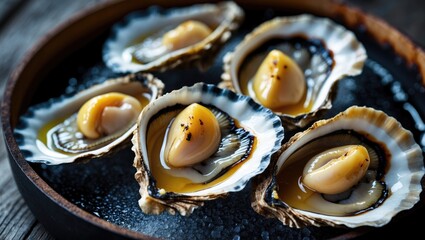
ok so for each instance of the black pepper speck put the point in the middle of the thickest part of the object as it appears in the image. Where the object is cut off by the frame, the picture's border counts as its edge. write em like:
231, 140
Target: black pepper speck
189, 136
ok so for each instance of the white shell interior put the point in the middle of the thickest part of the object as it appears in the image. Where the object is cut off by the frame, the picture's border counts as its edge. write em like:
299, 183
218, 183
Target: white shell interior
63, 108
139, 25
406, 165
260, 121
348, 53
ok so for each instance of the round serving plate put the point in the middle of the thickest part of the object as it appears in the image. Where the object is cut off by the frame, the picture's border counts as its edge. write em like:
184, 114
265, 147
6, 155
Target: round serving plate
98, 199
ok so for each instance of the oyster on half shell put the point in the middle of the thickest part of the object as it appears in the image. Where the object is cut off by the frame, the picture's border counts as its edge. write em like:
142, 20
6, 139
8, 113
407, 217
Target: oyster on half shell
89, 124
358, 168
157, 40
291, 65
199, 143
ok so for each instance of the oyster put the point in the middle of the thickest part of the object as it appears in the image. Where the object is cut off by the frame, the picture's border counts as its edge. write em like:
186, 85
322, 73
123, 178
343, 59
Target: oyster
358, 168
199, 143
88, 124
160, 40
291, 65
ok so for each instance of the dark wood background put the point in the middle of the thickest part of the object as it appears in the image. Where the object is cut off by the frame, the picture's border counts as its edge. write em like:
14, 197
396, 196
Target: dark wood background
23, 22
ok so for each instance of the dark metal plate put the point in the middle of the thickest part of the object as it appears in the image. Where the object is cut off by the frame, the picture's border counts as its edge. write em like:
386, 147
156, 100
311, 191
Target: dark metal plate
105, 187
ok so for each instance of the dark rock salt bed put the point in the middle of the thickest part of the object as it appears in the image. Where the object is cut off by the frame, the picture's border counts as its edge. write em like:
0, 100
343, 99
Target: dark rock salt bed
106, 187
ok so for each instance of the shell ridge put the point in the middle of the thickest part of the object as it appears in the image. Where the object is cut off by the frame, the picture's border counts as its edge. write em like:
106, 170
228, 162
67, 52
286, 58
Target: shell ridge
231, 103
54, 109
403, 179
124, 33
351, 55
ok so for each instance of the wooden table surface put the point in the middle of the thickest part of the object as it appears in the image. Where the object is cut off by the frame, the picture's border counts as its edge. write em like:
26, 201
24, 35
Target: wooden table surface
23, 22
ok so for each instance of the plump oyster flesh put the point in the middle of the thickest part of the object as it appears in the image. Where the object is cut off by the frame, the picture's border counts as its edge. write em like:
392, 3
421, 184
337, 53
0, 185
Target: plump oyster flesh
325, 51
340, 177
215, 153
395, 160
245, 148
157, 40
50, 132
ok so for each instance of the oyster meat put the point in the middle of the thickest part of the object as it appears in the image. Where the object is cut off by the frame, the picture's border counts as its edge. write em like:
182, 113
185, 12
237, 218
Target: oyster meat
88, 124
162, 39
359, 168
199, 143
291, 65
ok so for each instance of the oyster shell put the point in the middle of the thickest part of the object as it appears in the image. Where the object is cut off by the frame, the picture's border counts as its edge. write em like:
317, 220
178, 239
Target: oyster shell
250, 134
324, 50
393, 180
48, 132
125, 51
